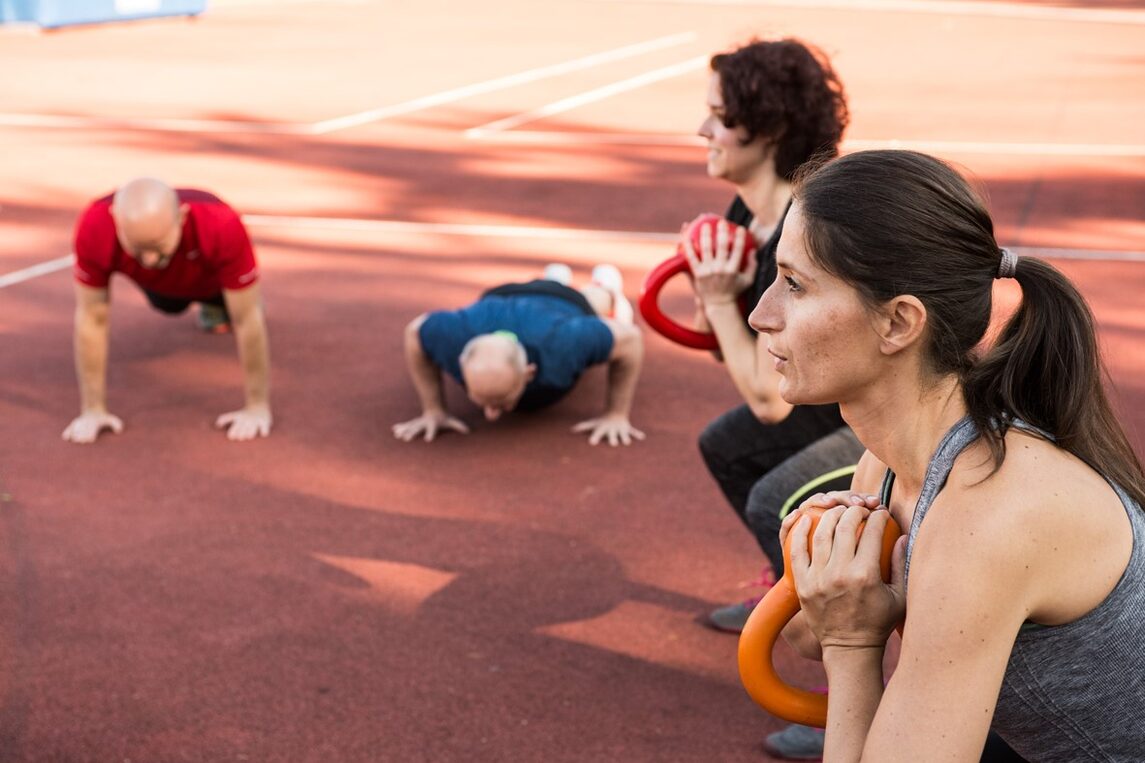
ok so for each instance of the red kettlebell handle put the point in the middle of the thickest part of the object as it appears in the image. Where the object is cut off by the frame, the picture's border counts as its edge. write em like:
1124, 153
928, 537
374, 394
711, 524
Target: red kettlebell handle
649, 303
650, 307
756, 643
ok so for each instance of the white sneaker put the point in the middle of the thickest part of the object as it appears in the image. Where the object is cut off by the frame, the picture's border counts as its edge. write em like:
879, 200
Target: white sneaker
608, 277
559, 272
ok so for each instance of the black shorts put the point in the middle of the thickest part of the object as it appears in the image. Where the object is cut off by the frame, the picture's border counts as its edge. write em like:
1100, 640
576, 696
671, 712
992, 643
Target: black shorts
176, 305
543, 288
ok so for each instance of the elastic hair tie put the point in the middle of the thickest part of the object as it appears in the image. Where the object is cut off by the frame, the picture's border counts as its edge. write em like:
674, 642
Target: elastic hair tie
1009, 264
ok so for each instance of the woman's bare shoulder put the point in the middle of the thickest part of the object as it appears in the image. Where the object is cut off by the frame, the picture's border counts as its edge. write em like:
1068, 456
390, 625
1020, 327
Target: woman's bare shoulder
1048, 527
1035, 474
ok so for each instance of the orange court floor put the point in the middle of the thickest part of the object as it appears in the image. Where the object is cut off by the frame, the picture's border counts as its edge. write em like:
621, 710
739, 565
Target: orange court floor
332, 594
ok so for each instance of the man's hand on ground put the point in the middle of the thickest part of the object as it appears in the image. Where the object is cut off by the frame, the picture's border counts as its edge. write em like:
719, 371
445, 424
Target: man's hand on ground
247, 424
616, 429
429, 425
87, 426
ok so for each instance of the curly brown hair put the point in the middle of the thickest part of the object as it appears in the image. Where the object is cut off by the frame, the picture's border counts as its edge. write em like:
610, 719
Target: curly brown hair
786, 91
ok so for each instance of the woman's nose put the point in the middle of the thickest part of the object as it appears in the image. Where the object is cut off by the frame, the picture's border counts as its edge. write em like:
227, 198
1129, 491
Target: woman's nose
764, 318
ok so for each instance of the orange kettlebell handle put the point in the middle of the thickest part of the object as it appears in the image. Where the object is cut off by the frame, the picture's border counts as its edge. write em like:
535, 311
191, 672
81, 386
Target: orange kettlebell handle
649, 303
761, 631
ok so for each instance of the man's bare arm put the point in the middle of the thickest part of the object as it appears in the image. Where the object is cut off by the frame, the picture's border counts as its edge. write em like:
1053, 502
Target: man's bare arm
91, 340
253, 344
426, 378
624, 366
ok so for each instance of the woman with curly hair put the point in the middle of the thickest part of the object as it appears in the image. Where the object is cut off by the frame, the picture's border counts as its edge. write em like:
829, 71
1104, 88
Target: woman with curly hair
773, 105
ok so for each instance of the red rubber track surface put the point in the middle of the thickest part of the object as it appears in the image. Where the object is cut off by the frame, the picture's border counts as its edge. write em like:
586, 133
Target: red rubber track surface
331, 594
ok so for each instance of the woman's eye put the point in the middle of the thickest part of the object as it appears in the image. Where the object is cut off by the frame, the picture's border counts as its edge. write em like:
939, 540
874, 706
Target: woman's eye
792, 284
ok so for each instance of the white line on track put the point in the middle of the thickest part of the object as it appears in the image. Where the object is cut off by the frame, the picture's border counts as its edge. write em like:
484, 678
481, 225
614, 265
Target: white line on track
629, 51
226, 5
63, 122
328, 126
559, 138
591, 96
1050, 253
27, 274
1004, 149
936, 7
454, 229
384, 227
542, 137
586, 234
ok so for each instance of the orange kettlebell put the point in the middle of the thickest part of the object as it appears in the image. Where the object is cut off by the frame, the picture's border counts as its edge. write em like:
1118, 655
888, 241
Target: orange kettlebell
762, 629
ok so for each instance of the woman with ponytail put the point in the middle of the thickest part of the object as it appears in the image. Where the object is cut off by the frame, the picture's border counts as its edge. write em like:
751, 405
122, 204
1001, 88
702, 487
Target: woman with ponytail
1021, 573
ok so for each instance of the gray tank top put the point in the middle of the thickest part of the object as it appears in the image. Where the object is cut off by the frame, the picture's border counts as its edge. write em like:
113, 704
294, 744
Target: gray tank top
1073, 692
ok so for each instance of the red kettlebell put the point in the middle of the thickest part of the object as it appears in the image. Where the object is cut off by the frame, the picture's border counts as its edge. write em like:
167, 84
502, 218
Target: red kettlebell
756, 642
650, 293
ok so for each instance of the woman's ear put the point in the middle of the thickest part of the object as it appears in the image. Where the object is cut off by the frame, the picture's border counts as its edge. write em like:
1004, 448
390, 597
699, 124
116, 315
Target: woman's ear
900, 323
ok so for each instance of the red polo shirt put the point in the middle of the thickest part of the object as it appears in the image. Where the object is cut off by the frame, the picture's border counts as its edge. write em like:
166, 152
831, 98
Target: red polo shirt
214, 251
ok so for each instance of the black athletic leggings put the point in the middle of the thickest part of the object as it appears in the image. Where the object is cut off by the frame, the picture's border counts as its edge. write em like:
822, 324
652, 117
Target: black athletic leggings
176, 305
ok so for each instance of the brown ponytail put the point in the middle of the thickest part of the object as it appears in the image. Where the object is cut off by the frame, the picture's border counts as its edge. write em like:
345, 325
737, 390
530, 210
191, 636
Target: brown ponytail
1045, 368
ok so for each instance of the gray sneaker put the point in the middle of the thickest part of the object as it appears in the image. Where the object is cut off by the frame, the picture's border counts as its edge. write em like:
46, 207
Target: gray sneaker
214, 319
733, 617
795, 742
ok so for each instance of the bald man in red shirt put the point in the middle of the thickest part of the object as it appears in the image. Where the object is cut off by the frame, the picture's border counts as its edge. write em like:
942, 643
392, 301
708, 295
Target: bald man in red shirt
179, 246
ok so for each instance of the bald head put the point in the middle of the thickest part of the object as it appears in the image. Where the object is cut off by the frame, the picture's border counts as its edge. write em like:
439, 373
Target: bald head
148, 220
496, 370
